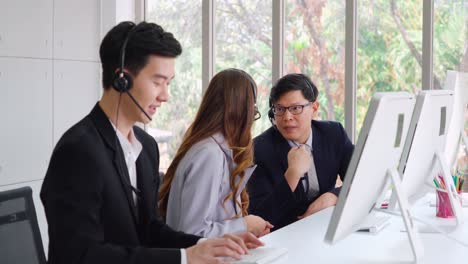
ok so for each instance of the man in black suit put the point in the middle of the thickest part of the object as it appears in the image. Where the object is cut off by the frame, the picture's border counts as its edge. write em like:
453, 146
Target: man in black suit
100, 190
298, 159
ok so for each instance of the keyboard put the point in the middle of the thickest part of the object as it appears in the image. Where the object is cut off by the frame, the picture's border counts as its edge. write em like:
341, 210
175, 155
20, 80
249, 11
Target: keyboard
373, 224
262, 255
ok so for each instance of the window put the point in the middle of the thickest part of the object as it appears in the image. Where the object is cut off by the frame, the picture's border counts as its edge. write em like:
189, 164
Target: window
389, 49
314, 45
183, 19
451, 49
450, 39
244, 41
389, 52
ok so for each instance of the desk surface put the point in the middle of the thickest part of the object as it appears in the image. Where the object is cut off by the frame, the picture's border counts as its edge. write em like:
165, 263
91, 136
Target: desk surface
304, 240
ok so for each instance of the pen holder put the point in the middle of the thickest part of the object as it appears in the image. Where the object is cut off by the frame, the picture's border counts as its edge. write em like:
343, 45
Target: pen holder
443, 206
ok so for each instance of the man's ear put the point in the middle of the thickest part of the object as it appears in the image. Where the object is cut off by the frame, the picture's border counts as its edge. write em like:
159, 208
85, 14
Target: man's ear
315, 107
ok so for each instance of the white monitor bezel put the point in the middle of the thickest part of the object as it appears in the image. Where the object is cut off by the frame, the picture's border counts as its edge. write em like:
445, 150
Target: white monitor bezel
373, 156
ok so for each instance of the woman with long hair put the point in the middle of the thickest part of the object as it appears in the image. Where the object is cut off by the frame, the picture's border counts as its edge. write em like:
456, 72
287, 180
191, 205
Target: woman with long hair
203, 191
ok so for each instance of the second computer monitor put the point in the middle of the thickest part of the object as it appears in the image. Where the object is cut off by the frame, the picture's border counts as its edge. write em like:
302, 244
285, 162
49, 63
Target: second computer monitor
377, 151
458, 83
426, 137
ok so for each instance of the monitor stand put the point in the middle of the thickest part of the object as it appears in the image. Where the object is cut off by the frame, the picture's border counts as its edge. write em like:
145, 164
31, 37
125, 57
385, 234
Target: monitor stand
403, 204
439, 159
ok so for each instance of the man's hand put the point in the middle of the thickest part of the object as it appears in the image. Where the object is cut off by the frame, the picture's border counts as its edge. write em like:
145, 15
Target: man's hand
208, 251
324, 201
230, 245
299, 160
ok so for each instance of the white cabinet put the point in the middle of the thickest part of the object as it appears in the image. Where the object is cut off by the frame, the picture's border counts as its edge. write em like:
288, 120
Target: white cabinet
76, 90
77, 29
26, 28
26, 117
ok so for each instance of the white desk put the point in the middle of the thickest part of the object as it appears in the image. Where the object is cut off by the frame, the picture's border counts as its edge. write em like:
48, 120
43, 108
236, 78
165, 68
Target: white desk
304, 240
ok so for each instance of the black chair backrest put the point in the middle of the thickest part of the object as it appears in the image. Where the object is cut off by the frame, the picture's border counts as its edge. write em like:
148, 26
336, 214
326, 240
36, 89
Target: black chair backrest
20, 237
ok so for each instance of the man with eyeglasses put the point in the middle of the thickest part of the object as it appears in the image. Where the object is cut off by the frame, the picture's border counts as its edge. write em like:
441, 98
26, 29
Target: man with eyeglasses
298, 159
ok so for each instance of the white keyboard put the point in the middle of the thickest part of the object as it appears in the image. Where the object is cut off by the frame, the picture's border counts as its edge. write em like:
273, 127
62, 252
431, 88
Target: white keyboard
260, 255
373, 224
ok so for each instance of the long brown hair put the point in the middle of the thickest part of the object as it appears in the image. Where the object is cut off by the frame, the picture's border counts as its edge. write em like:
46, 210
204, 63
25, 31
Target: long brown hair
227, 107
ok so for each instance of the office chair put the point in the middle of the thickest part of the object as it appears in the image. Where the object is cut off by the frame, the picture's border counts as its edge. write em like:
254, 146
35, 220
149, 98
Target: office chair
20, 238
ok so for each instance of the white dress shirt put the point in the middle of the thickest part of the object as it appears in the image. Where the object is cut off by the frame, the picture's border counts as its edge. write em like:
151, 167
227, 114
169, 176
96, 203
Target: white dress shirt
131, 148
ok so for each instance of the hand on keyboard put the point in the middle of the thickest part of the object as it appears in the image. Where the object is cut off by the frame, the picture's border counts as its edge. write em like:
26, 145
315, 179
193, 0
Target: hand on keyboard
261, 255
230, 245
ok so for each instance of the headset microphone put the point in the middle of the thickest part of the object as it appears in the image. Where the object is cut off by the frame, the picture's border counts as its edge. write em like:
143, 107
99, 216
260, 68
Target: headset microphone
138, 105
123, 81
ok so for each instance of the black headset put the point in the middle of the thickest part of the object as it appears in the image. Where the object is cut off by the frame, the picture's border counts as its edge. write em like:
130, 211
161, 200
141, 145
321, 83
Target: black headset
123, 81
271, 115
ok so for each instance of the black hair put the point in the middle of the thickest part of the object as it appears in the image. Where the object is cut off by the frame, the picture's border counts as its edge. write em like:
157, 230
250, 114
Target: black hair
146, 39
294, 82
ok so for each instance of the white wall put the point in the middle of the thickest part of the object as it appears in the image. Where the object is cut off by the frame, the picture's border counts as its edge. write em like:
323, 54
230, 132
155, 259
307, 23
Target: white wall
49, 80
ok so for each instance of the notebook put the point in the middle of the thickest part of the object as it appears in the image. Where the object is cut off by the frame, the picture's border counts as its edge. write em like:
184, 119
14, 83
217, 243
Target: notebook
262, 255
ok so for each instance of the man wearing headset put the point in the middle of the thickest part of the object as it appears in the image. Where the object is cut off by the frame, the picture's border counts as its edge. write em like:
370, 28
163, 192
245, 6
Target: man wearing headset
100, 190
298, 159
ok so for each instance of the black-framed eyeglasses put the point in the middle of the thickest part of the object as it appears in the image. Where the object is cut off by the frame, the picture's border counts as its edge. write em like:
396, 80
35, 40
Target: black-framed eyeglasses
293, 109
257, 114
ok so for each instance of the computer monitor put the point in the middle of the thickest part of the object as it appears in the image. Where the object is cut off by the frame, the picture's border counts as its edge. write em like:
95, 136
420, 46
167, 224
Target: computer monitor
423, 157
458, 83
426, 137
20, 238
377, 151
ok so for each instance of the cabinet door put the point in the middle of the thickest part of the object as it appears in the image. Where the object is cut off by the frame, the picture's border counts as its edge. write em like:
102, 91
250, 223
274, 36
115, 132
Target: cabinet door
77, 29
76, 90
26, 28
26, 117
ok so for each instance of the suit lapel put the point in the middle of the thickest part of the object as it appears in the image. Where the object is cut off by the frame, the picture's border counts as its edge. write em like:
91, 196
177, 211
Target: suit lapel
282, 148
107, 132
122, 170
317, 154
145, 182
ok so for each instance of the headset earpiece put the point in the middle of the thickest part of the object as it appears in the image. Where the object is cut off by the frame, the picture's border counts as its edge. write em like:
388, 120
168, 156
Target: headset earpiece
122, 82
309, 84
271, 116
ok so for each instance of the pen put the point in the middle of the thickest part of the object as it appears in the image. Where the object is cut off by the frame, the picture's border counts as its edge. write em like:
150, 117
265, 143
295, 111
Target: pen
436, 184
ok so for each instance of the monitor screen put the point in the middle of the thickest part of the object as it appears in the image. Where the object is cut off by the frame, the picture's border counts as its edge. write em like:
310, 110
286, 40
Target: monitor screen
426, 136
458, 83
378, 149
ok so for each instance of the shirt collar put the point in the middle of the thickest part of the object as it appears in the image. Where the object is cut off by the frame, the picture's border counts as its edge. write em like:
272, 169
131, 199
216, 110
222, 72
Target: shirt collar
308, 142
130, 144
221, 140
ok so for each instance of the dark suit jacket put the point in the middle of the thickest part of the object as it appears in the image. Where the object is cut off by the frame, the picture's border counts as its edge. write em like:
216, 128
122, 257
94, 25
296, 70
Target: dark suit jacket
88, 201
270, 195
